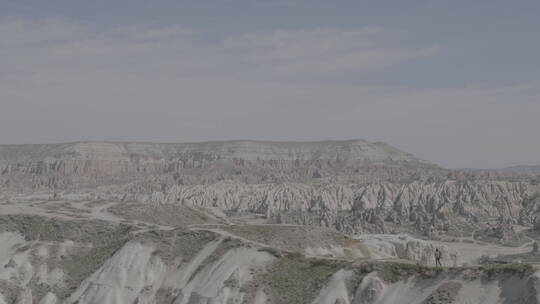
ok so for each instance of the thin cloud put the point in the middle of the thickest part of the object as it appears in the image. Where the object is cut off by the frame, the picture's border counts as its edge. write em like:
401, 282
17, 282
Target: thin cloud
325, 50
64, 81
309, 52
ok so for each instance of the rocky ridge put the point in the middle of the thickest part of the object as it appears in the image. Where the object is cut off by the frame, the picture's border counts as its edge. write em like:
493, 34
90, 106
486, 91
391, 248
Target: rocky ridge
352, 186
64, 166
260, 222
63, 262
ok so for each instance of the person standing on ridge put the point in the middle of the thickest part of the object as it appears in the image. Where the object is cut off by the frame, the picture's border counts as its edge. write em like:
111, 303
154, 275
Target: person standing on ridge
438, 255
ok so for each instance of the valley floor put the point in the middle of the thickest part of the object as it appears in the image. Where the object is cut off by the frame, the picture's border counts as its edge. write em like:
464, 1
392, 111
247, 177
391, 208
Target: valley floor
87, 250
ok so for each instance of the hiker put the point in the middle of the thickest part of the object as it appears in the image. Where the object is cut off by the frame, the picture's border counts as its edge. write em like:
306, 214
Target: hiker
438, 255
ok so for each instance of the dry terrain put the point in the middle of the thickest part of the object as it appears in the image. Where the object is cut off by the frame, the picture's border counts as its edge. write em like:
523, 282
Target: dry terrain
253, 222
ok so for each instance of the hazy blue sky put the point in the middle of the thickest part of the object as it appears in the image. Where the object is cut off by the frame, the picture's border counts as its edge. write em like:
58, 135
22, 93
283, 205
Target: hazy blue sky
454, 82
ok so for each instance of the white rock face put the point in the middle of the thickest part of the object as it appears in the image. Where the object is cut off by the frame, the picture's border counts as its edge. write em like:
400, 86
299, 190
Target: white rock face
10, 241
234, 222
206, 264
234, 266
336, 289
353, 186
122, 278
371, 289
407, 248
363, 208
135, 274
403, 198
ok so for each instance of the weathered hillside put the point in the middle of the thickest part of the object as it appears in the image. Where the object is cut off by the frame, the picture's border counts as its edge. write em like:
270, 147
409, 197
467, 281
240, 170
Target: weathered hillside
351, 186
64, 166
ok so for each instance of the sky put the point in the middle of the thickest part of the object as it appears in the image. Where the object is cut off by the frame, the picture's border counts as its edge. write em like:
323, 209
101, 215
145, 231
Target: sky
453, 82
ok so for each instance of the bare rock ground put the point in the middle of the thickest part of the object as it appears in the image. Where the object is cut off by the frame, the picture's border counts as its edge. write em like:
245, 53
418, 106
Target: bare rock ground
260, 222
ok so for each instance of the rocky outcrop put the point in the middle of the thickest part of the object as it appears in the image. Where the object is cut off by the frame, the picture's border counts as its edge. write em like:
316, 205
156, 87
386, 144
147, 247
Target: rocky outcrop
183, 266
68, 166
354, 208
351, 186
109, 159
195, 223
202, 154
405, 247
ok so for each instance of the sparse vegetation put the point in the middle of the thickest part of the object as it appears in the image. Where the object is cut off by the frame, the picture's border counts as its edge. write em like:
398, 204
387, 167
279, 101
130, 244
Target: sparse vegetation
200, 218
490, 271
393, 272
295, 279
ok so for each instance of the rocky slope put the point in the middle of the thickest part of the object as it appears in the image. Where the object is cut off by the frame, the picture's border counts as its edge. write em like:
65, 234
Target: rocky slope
259, 222
61, 166
352, 186
203, 154
91, 262
451, 207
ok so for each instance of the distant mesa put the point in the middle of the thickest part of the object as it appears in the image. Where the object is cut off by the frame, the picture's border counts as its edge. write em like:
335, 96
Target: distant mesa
247, 150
